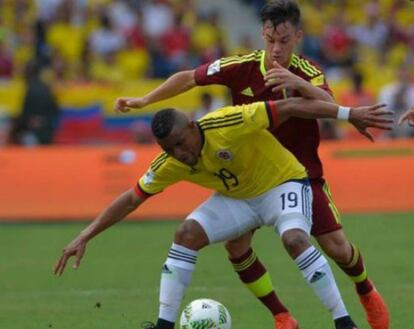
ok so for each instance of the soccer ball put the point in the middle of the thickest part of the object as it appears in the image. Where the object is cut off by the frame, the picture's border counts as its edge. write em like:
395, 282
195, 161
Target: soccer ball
205, 314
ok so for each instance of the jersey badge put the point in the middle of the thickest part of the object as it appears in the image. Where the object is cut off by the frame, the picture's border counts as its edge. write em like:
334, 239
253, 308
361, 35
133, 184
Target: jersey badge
318, 81
214, 67
224, 155
148, 178
247, 92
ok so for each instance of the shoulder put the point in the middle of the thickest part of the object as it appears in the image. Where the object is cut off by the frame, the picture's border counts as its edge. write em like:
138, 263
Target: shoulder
238, 60
222, 118
305, 67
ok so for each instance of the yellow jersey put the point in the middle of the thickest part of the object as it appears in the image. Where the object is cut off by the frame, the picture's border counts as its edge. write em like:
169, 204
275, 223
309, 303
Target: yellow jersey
240, 158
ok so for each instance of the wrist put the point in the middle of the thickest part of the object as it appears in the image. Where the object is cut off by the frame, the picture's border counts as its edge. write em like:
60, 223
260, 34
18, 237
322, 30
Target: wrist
344, 113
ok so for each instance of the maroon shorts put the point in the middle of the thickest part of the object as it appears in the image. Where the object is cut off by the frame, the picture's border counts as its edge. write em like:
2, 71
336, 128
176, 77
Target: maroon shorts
325, 215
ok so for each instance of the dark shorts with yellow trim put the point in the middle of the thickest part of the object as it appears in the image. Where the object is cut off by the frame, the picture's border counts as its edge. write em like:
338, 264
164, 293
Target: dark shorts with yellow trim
325, 215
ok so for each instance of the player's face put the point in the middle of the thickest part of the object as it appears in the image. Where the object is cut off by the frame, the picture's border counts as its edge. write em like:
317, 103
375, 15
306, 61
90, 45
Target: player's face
183, 144
280, 42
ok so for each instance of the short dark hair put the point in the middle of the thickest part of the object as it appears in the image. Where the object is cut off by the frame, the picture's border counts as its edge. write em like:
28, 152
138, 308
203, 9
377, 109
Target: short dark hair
163, 122
280, 11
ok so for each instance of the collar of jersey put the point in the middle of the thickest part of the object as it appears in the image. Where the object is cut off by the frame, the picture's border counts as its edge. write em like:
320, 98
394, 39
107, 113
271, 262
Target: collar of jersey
203, 139
262, 62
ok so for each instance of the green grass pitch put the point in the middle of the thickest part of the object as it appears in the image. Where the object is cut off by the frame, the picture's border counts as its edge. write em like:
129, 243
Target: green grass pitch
116, 286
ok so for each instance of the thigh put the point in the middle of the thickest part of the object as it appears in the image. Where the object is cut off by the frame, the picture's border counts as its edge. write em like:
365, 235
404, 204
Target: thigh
224, 218
326, 216
288, 206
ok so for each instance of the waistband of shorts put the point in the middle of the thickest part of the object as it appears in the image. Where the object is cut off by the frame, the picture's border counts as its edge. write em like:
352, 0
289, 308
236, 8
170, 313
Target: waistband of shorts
304, 181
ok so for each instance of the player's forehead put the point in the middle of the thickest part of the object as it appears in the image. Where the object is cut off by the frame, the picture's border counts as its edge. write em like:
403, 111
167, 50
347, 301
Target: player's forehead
279, 31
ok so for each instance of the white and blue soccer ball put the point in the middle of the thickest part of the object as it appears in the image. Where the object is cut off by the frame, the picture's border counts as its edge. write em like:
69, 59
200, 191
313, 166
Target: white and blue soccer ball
205, 314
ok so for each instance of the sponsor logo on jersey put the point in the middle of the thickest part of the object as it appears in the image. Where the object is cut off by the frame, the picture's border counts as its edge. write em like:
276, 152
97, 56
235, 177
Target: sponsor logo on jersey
224, 155
214, 67
148, 178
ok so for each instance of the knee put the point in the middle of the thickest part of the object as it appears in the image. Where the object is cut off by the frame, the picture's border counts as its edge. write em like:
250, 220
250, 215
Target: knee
236, 249
295, 242
191, 235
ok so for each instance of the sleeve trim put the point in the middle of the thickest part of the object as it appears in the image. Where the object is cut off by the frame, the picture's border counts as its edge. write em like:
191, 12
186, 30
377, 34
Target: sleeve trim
272, 114
141, 193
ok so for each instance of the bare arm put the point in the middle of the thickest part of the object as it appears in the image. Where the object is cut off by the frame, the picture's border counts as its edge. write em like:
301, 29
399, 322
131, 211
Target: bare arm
362, 117
178, 83
115, 212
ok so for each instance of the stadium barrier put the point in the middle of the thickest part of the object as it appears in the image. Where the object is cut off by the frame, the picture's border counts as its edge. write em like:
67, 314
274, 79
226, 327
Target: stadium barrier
75, 183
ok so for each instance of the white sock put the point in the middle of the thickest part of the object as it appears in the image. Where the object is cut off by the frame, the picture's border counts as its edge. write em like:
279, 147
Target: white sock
175, 278
319, 276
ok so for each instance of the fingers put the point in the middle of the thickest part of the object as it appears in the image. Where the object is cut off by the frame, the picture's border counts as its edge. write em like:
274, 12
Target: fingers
121, 105
403, 118
277, 65
280, 87
61, 264
378, 106
366, 134
79, 254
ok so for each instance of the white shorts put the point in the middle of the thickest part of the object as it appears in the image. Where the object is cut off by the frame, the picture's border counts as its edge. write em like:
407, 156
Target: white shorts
285, 207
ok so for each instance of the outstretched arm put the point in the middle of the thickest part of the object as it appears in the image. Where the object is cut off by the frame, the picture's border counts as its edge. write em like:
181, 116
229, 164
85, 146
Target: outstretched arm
173, 86
363, 117
115, 212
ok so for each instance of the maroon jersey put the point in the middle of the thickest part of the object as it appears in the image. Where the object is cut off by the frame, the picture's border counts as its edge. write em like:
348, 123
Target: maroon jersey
244, 76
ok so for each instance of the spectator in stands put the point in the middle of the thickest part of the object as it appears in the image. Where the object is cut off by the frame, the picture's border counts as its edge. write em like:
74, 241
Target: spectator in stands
6, 62
399, 95
106, 40
373, 32
358, 95
158, 18
207, 104
38, 120
337, 46
175, 42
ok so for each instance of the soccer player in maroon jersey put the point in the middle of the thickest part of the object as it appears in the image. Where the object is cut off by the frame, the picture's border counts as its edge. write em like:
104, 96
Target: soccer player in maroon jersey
275, 73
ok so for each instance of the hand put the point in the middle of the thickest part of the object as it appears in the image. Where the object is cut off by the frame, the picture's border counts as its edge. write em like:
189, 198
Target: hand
75, 248
407, 116
124, 104
282, 78
373, 116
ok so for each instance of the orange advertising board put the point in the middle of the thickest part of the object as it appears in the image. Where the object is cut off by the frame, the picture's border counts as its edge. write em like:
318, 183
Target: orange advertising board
72, 183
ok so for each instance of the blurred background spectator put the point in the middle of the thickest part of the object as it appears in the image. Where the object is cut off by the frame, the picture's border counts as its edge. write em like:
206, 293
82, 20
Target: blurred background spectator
38, 119
99, 49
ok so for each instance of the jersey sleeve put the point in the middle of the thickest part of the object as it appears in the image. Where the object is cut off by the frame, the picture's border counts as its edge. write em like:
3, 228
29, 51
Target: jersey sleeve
161, 174
311, 72
215, 73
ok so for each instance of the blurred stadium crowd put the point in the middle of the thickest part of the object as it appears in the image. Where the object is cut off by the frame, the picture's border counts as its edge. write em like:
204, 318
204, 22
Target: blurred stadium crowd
366, 48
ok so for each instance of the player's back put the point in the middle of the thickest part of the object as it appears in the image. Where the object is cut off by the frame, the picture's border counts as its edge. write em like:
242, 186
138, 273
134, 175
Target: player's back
239, 157
244, 75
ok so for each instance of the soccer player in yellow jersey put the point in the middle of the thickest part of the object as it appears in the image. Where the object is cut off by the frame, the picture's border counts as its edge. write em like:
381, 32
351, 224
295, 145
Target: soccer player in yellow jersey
257, 182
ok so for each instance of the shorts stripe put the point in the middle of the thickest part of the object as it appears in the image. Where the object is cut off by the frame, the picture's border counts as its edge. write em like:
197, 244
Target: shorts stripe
332, 205
306, 206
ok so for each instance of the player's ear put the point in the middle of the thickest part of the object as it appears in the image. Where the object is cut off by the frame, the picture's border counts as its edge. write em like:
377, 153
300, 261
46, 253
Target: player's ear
299, 34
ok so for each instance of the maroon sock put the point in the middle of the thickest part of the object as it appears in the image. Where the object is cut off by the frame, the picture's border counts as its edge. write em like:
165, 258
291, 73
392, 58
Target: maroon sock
355, 269
250, 270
